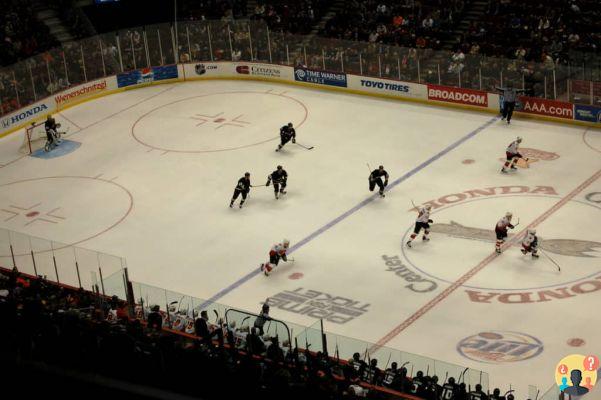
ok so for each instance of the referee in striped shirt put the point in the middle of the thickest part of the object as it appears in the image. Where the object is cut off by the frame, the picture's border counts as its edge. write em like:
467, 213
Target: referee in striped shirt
510, 95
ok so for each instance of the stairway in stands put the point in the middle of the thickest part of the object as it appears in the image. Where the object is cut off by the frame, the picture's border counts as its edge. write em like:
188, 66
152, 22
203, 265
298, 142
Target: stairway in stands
51, 18
474, 11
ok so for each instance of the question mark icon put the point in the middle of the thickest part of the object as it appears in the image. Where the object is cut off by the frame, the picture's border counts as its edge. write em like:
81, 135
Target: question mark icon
591, 363
563, 369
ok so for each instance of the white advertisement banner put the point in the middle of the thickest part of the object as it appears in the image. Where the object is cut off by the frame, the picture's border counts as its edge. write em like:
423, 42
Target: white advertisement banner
27, 114
387, 87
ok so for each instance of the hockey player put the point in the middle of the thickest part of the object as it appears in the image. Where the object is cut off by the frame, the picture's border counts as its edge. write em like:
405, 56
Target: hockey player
390, 375
51, 131
287, 133
513, 154
375, 178
423, 221
242, 188
279, 178
501, 230
277, 253
530, 243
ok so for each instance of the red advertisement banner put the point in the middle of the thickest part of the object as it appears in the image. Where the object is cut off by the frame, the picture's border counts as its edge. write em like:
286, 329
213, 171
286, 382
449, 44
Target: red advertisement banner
550, 108
458, 95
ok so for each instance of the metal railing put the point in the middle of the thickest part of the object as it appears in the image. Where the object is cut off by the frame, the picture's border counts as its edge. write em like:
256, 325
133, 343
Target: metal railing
292, 335
142, 47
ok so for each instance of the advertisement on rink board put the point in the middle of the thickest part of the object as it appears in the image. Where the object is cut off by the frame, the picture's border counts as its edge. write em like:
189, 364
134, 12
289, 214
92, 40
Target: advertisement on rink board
458, 95
146, 75
320, 77
201, 69
83, 91
265, 71
387, 86
26, 114
549, 108
587, 113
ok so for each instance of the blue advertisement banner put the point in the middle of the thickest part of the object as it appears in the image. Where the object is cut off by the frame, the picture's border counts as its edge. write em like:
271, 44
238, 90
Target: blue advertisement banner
320, 77
587, 113
145, 75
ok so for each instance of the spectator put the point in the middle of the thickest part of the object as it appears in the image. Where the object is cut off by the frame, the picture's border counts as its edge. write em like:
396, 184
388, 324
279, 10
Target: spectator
274, 351
254, 343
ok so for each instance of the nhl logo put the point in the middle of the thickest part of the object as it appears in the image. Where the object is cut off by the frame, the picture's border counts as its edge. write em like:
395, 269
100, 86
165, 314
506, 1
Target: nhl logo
200, 69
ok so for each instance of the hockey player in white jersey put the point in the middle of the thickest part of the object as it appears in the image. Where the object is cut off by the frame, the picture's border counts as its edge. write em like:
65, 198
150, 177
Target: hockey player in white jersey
530, 243
423, 221
501, 230
277, 253
513, 155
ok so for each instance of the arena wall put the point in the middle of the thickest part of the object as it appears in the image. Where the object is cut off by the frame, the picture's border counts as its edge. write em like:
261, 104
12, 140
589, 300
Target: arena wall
550, 110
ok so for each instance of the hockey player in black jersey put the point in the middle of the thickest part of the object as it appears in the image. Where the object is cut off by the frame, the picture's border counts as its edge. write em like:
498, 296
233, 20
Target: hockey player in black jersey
242, 188
375, 178
287, 133
279, 178
51, 131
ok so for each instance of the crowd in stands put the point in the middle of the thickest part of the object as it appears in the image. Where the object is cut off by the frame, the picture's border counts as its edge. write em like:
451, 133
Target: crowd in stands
291, 16
21, 33
407, 23
77, 330
541, 31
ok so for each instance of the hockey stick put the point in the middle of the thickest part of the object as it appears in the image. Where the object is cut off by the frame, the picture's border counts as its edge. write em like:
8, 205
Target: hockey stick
179, 303
537, 393
550, 259
290, 259
386, 367
368, 167
304, 147
217, 318
257, 185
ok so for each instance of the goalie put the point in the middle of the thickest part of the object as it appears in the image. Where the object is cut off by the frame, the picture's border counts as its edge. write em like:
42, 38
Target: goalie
52, 134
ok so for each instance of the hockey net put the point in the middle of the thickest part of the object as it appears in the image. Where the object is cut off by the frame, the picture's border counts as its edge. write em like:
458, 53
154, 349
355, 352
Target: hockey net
34, 138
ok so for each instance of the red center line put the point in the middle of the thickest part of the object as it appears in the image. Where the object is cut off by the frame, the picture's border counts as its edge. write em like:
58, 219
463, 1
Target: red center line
463, 279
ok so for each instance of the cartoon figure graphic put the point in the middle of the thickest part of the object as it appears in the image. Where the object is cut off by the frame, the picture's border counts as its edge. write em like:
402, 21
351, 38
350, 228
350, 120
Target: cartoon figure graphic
576, 375
576, 389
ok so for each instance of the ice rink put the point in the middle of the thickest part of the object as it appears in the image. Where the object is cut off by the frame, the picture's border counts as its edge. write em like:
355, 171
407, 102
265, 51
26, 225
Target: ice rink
156, 168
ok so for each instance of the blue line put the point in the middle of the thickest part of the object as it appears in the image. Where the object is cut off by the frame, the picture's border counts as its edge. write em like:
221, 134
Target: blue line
350, 212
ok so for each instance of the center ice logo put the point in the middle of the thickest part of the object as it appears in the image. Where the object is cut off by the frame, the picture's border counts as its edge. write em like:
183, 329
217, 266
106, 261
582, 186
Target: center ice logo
500, 347
579, 251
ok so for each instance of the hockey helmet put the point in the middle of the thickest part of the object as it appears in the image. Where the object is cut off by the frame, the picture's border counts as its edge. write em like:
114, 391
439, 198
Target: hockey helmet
279, 167
286, 242
519, 139
289, 124
247, 174
532, 231
381, 167
509, 215
428, 207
